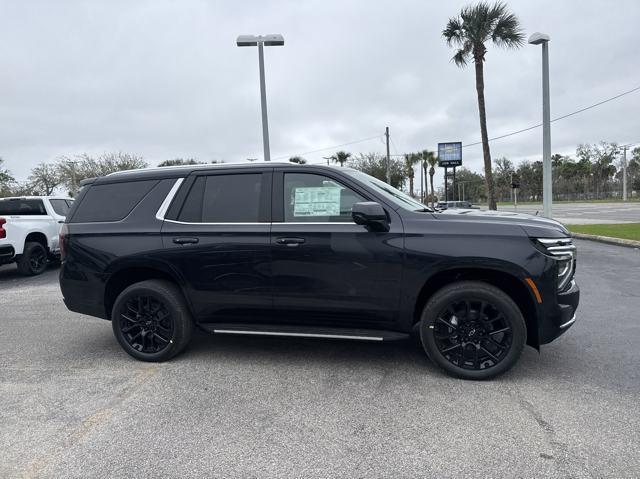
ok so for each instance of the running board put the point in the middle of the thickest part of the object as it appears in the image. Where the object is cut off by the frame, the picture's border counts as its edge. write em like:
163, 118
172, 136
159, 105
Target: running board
304, 332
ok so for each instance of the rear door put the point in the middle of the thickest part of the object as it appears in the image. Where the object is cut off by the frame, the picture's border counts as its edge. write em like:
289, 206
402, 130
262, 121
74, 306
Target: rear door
217, 238
327, 270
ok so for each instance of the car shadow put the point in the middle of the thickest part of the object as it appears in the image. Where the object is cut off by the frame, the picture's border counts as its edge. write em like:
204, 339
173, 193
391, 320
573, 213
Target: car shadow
9, 273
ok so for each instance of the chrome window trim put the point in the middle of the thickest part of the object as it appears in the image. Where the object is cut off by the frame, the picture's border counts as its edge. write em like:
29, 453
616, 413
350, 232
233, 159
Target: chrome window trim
162, 211
263, 223
213, 224
315, 223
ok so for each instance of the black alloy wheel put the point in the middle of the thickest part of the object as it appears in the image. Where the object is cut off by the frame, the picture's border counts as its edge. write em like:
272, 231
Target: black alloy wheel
146, 324
151, 320
473, 330
33, 260
473, 334
38, 259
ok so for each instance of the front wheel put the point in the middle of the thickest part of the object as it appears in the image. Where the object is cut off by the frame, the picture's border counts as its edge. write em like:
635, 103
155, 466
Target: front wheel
151, 320
473, 330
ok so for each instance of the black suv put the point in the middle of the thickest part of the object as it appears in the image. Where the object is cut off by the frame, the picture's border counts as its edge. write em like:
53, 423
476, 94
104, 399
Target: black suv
311, 251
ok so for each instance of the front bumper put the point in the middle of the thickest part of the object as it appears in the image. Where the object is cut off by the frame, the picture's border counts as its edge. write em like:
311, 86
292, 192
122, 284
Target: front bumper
561, 316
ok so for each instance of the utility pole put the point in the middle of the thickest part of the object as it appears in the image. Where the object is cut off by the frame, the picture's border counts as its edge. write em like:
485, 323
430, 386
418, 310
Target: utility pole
422, 181
547, 185
446, 183
624, 173
261, 41
388, 157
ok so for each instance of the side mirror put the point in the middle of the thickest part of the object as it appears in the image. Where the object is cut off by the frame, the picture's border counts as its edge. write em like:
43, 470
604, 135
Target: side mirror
371, 214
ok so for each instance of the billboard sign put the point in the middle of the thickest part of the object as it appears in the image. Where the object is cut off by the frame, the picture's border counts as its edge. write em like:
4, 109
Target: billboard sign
450, 154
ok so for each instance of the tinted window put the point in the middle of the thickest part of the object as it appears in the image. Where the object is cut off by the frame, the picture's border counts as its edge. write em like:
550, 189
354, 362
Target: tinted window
317, 198
223, 199
112, 202
389, 192
22, 207
61, 207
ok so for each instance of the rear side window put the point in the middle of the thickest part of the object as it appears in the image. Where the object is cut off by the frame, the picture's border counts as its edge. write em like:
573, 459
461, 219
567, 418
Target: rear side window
231, 198
22, 207
61, 207
111, 202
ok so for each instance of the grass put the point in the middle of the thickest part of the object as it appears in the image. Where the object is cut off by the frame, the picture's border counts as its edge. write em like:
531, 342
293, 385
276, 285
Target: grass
625, 231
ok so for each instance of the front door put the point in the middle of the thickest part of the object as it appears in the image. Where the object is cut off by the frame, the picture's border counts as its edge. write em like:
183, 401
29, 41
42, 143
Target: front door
218, 241
326, 269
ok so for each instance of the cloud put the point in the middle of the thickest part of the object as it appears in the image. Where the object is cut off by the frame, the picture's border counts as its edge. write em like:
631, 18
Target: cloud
165, 79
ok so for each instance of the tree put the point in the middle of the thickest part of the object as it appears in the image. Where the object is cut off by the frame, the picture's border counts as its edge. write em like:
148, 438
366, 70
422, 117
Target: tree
6, 180
502, 177
530, 175
468, 32
180, 162
298, 159
45, 178
472, 184
601, 158
74, 170
430, 158
340, 157
633, 170
375, 165
410, 160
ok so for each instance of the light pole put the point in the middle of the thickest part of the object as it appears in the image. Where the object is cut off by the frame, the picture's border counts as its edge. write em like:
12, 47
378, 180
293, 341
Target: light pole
261, 41
547, 192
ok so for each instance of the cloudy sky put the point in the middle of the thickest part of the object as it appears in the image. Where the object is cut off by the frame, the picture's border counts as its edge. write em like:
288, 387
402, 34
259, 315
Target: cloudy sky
164, 79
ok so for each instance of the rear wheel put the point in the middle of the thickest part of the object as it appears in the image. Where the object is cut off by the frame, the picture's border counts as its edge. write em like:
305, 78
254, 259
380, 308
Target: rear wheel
151, 320
33, 260
473, 330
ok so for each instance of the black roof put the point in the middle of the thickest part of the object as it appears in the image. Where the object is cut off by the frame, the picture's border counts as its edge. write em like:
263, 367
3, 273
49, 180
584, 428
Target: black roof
183, 171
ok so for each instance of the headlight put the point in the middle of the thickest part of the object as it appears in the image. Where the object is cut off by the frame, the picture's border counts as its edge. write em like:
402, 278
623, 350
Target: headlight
564, 252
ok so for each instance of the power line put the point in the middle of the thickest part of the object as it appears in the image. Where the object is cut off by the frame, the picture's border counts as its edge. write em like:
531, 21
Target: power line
558, 118
533, 127
329, 147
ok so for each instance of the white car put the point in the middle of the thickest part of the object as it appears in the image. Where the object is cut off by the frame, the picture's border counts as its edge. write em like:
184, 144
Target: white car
29, 231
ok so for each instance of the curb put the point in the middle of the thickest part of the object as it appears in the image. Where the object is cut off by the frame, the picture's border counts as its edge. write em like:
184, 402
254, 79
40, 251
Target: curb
608, 240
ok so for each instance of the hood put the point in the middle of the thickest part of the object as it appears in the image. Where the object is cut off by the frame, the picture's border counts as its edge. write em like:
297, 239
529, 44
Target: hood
534, 226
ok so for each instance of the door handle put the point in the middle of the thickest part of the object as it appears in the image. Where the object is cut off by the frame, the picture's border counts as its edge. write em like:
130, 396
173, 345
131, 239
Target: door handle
185, 240
290, 241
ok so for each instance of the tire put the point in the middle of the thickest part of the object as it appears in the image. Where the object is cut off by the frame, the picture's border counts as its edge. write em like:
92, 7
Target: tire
33, 260
472, 330
151, 320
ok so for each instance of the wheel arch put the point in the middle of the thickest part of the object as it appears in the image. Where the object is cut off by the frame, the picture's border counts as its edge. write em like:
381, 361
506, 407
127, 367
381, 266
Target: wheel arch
129, 274
37, 237
513, 286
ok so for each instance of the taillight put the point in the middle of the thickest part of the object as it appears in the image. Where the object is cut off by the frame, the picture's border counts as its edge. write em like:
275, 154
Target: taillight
3, 232
62, 237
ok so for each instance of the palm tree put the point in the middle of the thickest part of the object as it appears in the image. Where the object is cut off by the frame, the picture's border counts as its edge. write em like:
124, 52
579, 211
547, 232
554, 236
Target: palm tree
340, 157
468, 32
410, 160
430, 158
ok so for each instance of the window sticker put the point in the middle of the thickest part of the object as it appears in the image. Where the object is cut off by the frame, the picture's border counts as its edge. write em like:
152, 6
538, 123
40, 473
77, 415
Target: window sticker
317, 201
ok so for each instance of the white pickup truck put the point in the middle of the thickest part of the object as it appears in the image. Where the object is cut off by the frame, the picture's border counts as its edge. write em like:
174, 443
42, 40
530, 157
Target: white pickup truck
29, 231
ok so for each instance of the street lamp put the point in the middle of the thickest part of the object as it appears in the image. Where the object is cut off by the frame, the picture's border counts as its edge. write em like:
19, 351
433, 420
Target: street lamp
543, 39
260, 41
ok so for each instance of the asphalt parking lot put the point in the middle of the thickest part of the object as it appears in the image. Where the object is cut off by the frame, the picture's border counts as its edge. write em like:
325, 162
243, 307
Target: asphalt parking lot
73, 404
586, 213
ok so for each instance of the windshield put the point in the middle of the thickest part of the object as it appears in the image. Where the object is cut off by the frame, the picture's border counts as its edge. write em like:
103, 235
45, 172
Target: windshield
394, 195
